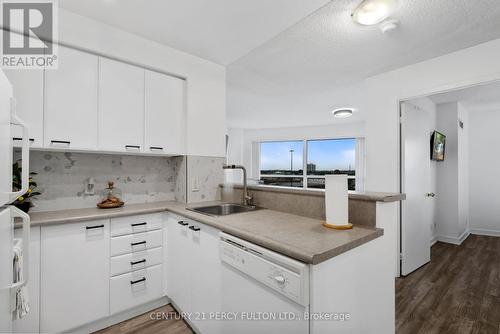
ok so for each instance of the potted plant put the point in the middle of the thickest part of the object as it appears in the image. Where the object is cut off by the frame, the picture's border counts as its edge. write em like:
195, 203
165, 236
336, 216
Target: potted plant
23, 202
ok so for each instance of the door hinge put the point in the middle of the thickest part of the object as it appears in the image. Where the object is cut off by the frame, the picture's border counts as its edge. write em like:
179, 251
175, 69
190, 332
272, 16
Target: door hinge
401, 256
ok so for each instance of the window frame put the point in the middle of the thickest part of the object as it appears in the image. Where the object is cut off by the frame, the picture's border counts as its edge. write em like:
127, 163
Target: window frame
359, 162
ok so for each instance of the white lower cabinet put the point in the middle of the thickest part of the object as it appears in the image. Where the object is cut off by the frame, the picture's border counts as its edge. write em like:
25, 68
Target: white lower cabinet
194, 273
135, 261
136, 275
135, 288
74, 275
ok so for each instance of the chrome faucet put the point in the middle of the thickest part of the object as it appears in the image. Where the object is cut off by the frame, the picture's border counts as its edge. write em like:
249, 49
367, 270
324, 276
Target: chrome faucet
246, 198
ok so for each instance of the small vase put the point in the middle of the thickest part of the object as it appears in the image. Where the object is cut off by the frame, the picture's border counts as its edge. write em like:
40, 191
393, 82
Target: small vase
24, 206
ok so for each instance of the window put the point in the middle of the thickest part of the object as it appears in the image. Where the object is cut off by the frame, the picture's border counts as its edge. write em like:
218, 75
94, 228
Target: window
280, 162
305, 163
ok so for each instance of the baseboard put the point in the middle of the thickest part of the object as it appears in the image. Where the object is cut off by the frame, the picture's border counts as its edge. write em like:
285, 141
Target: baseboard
122, 316
480, 231
454, 240
434, 240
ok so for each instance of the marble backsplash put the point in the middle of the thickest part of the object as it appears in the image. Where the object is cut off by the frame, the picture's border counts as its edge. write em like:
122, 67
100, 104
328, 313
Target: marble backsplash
62, 175
205, 174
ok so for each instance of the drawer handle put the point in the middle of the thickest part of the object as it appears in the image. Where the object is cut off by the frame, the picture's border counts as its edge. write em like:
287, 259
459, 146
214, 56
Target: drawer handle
138, 224
60, 142
137, 243
19, 139
137, 147
156, 148
93, 227
133, 263
138, 281
182, 223
194, 228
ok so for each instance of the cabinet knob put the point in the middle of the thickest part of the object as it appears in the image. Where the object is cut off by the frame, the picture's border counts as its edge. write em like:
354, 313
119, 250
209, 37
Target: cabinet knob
279, 279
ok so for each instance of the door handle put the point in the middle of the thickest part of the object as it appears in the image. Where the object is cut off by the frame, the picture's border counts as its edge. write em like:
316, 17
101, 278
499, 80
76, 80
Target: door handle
182, 223
430, 195
194, 228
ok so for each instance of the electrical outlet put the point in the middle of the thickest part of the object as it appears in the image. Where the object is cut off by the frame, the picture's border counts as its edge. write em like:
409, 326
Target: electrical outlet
195, 187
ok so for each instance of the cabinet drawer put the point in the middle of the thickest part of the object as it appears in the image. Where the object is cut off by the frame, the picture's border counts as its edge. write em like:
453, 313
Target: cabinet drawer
136, 224
135, 261
136, 242
135, 288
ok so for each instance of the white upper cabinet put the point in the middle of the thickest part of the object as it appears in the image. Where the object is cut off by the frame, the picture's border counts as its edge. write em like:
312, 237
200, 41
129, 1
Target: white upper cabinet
71, 101
165, 125
28, 92
121, 107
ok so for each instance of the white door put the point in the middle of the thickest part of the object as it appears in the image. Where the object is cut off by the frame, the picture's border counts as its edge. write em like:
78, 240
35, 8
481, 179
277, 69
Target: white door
416, 181
6, 235
30, 323
74, 287
164, 113
121, 106
179, 262
28, 92
205, 277
5, 140
71, 101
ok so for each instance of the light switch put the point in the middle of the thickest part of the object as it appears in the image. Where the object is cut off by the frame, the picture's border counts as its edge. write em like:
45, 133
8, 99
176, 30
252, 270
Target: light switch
196, 186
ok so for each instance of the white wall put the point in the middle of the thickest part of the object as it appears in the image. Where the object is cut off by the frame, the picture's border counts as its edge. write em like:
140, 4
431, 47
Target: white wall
484, 164
206, 87
447, 174
463, 171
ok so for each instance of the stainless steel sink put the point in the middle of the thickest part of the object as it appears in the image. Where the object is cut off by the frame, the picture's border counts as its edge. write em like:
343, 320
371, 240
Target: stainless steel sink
223, 209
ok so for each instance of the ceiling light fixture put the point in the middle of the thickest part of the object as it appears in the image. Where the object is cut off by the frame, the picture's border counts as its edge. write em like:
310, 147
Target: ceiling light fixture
371, 12
343, 112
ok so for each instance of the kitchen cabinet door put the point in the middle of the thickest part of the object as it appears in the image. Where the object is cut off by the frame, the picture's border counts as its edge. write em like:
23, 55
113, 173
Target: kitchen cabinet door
178, 271
71, 101
121, 106
164, 113
74, 275
30, 323
205, 276
28, 92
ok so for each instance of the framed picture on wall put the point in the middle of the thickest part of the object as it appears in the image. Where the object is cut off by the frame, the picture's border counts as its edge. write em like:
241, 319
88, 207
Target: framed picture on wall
438, 145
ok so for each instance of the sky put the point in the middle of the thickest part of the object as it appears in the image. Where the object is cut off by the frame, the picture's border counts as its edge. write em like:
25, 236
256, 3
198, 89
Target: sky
326, 154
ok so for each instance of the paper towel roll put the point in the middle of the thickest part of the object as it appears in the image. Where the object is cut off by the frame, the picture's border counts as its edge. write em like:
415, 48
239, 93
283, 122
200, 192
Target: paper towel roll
336, 200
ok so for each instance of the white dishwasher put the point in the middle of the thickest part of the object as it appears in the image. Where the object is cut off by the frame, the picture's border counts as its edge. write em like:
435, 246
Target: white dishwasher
262, 291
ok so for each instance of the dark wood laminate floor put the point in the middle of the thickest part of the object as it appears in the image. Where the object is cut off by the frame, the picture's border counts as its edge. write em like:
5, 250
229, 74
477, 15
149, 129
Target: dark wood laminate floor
144, 325
457, 292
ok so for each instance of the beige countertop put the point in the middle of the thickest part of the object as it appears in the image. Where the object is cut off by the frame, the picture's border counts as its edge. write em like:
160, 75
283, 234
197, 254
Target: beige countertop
357, 195
301, 238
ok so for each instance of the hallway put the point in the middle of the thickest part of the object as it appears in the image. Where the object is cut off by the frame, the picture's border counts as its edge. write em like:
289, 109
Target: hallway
457, 292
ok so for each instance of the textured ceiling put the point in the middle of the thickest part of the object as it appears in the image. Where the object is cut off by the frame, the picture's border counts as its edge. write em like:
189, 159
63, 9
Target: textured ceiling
318, 64
217, 30
476, 98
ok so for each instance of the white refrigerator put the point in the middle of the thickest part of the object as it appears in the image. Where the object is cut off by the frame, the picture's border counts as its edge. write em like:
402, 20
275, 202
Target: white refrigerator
9, 213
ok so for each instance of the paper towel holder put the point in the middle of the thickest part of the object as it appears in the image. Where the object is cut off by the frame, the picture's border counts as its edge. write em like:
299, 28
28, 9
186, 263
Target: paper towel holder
347, 226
